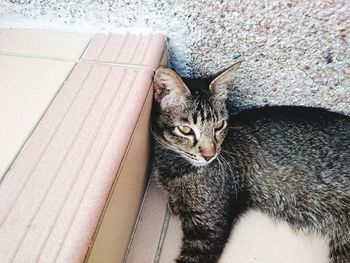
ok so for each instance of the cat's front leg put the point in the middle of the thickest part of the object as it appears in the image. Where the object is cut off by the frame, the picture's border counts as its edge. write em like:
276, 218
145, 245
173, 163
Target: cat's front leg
204, 236
339, 253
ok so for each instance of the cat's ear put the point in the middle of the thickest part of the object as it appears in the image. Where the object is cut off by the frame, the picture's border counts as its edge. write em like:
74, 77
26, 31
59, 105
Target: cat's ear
219, 85
169, 88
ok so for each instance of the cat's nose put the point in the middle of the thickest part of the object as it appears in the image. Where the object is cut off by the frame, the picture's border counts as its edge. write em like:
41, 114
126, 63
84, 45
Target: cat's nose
208, 157
207, 151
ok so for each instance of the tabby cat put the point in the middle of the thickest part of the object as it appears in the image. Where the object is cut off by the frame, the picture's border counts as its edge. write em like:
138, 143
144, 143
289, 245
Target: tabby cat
292, 163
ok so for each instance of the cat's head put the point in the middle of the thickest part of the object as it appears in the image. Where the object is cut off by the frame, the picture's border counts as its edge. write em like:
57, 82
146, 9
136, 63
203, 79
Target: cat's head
191, 116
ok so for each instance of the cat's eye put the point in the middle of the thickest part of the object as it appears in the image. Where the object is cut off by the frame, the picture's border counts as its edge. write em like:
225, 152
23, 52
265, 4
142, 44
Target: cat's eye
185, 130
219, 125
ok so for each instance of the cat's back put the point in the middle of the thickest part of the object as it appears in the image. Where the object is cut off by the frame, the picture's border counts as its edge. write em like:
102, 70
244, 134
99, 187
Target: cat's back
314, 140
301, 124
291, 114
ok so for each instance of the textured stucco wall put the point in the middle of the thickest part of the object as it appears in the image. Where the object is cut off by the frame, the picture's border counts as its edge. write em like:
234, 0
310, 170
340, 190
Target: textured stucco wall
295, 52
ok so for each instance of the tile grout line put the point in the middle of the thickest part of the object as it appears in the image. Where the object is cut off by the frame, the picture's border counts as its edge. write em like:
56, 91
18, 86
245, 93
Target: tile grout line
135, 50
119, 64
121, 47
146, 49
87, 151
47, 145
116, 181
96, 133
62, 162
139, 215
46, 109
111, 129
104, 46
37, 123
127, 65
162, 236
86, 47
14, 54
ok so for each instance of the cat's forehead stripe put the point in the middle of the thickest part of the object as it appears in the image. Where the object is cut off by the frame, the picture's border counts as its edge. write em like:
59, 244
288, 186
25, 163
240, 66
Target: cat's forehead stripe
195, 116
202, 114
209, 115
184, 119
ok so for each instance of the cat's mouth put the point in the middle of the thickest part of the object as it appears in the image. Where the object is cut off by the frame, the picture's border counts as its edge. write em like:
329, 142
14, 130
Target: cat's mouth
195, 161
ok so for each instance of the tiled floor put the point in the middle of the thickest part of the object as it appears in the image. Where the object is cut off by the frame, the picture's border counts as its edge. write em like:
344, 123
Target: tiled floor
158, 235
25, 57
42, 43
53, 194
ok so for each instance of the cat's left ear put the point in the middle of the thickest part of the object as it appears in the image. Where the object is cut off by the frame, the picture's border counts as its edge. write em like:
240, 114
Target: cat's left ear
219, 85
170, 90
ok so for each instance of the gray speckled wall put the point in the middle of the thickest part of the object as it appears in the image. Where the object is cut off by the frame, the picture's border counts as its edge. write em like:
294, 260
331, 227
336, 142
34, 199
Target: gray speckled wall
295, 52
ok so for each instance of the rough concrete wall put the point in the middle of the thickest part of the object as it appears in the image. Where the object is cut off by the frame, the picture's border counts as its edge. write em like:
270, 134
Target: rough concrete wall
295, 52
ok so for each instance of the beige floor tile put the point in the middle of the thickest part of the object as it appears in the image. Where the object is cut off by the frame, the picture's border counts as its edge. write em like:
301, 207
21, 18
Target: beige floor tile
172, 241
43, 43
24, 96
146, 240
157, 237
257, 238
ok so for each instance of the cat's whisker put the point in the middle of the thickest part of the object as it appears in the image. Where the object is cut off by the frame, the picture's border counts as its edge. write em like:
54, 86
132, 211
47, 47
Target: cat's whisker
161, 141
221, 172
236, 185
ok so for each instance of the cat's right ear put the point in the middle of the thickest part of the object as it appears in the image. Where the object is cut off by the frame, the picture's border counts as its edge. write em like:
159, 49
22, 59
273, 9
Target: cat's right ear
219, 85
169, 89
